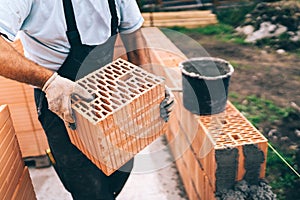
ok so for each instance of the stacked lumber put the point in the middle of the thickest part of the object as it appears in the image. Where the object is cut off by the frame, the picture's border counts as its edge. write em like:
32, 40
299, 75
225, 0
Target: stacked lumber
174, 5
188, 19
20, 99
211, 152
122, 119
15, 182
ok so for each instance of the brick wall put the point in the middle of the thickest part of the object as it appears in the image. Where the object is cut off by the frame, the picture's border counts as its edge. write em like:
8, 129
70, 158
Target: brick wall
15, 182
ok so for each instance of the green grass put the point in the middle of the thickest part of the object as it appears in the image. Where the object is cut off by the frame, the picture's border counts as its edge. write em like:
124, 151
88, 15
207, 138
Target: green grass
239, 66
217, 29
297, 52
258, 110
222, 32
280, 177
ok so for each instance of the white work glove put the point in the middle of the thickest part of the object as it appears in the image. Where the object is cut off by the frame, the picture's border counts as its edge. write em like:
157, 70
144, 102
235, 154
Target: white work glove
167, 104
59, 92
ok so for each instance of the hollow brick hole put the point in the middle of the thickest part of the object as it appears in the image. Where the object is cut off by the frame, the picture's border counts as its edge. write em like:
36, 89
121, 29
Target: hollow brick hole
101, 82
97, 114
235, 137
99, 76
114, 66
109, 76
111, 88
103, 100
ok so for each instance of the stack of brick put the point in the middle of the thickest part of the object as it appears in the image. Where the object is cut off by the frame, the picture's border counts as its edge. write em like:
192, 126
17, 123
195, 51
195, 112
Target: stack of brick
15, 182
122, 119
20, 99
29, 132
211, 152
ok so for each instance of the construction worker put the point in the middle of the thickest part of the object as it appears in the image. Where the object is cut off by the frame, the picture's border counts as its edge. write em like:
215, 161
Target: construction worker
57, 36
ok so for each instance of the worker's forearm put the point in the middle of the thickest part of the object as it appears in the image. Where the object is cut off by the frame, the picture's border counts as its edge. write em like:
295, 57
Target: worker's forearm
15, 66
136, 48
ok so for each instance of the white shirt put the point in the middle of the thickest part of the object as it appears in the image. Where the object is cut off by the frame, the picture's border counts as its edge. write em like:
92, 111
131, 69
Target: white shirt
43, 27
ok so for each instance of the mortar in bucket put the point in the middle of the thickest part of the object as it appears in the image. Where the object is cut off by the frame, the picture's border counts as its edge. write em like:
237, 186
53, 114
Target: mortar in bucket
205, 82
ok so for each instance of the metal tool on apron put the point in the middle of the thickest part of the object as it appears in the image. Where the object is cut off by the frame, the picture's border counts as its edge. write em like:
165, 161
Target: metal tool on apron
77, 173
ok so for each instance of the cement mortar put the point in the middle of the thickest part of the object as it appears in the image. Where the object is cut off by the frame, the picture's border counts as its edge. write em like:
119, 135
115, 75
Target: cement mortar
243, 191
254, 157
207, 68
227, 164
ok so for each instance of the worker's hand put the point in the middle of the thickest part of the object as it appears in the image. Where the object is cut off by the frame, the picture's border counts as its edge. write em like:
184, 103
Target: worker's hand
59, 92
167, 104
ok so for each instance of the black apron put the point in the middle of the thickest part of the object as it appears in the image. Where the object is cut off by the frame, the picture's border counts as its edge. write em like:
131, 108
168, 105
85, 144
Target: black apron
77, 173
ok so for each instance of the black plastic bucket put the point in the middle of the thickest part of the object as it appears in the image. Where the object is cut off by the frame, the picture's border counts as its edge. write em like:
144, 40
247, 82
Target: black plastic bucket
205, 82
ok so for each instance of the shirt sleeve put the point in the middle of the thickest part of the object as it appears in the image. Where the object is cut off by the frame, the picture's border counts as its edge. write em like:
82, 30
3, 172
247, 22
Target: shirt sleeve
12, 15
131, 17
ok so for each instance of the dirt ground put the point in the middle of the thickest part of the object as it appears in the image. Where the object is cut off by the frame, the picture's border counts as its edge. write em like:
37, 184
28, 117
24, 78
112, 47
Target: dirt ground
260, 72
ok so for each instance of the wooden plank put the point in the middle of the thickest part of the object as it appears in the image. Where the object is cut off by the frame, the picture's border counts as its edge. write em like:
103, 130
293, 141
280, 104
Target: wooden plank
185, 23
181, 18
177, 15
209, 19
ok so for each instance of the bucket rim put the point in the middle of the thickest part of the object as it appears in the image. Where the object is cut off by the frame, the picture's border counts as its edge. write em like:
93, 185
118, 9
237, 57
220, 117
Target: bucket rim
193, 75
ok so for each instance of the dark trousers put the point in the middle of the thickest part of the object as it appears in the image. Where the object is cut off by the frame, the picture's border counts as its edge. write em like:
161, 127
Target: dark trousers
77, 173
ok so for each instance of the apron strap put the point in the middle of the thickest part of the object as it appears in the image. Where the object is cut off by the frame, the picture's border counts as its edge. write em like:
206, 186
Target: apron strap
72, 30
78, 52
114, 17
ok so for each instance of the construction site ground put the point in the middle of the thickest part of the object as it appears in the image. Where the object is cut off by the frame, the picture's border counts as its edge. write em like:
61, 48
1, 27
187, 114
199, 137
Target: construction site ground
161, 182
